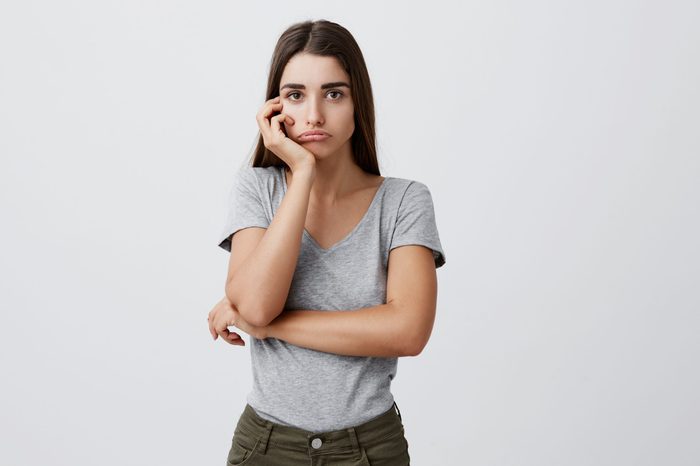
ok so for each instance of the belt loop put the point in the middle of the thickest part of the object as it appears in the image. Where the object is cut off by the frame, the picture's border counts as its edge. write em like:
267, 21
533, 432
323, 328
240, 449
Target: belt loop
353, 439
398, 411
265, 437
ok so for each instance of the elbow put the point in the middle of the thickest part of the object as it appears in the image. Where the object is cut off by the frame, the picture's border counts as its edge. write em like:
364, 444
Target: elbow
417, 342
414, 348
251, 314
412, 334
256, 318
255, 315
411, 346
419, 333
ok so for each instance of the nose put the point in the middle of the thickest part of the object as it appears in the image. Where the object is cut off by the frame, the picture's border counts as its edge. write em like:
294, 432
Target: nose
314, 115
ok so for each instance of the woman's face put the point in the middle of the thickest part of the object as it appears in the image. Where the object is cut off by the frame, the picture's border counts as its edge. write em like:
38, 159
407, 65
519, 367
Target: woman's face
315, 92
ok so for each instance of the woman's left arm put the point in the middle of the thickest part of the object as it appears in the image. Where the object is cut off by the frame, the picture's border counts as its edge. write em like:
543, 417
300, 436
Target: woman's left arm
401, 327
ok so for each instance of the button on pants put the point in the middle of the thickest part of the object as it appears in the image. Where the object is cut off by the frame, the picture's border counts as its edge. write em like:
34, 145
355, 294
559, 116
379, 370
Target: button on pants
377, 442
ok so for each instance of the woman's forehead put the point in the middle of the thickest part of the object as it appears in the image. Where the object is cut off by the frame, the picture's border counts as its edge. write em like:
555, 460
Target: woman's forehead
313, 71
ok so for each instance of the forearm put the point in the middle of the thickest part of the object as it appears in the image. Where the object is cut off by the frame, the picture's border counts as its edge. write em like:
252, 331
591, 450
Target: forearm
260, 287
371, 331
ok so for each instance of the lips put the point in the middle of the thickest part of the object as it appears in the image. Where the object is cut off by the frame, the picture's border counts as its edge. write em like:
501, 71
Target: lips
315, 135
314, 132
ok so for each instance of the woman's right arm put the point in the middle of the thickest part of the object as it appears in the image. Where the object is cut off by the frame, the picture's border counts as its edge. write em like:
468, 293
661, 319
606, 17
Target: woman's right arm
261, 270
258, 282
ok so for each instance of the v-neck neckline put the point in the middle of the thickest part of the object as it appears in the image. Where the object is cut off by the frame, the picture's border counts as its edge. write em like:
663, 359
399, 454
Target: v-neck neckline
355, 228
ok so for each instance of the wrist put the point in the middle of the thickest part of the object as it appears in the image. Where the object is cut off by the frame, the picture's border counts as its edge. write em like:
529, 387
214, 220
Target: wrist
265, 332
274, 328
305, 169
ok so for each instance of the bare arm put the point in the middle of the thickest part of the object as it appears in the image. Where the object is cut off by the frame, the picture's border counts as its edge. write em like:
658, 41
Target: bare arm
258, 286
401, 327
369, 331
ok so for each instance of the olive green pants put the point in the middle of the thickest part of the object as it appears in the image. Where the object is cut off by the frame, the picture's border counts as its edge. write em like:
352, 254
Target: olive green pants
377, 442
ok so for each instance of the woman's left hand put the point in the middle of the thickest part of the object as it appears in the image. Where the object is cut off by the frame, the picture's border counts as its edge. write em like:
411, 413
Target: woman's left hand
225, 314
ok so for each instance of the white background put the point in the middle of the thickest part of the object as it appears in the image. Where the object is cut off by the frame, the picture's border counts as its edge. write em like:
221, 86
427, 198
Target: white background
560, 142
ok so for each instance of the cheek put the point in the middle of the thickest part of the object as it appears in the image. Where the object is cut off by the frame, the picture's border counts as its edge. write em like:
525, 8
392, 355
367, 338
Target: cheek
350, 122
292, 111
288, 110
344, 116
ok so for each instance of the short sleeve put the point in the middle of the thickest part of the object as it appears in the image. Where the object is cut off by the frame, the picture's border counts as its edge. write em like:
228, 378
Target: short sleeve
415, 222
244, 207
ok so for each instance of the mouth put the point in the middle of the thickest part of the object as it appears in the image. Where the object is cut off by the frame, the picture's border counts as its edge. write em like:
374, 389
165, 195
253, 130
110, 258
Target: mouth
313, 136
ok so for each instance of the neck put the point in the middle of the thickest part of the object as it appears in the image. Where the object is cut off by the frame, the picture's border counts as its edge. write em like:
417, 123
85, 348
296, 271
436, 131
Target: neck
337, 175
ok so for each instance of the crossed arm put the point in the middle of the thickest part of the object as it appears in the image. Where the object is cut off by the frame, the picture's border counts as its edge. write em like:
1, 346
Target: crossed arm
401, 327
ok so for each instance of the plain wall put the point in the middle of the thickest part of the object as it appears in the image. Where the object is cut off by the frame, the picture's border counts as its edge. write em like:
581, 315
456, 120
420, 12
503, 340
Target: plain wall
560, 142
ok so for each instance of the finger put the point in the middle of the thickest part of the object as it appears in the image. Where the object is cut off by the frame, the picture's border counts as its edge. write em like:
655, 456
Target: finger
272, 108
216, 328
223, 333
212, 331
285, 118
232, 337
275, 122
235, 339
266, 106
236, 342
264, 114
209, 325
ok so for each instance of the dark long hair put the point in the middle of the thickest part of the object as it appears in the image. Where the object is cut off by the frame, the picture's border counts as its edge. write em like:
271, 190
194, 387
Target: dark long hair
326, 38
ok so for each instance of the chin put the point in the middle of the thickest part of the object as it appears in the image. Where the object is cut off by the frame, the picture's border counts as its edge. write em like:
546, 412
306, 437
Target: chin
319, 153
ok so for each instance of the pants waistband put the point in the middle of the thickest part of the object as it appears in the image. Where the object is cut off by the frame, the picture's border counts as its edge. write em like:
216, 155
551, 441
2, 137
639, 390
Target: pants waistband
255, 428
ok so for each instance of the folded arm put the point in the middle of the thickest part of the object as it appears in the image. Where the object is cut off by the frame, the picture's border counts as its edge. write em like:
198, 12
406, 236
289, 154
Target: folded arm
401, 327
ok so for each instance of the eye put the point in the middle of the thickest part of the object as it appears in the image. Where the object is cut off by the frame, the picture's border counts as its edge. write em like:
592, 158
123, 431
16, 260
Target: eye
291, 95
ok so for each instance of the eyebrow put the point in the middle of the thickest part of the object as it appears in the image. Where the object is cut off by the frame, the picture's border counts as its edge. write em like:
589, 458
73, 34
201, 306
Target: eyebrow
323, 86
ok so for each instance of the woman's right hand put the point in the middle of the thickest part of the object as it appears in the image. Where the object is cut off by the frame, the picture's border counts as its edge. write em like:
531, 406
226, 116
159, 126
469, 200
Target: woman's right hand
275, 139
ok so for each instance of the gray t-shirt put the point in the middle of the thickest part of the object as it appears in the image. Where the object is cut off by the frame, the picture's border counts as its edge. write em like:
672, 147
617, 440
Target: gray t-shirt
314, 390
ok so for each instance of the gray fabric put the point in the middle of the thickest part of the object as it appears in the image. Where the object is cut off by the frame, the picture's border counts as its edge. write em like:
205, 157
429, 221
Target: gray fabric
315, 390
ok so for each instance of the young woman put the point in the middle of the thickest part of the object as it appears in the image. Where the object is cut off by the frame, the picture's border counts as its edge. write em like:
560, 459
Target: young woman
332, 267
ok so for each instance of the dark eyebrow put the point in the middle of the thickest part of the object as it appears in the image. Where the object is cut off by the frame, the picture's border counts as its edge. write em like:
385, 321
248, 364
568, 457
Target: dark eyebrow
323, 86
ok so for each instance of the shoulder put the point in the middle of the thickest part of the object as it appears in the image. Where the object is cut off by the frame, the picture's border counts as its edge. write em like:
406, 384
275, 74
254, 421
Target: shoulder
408, 190
406, 183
